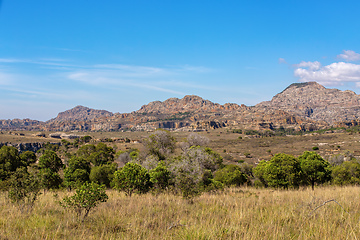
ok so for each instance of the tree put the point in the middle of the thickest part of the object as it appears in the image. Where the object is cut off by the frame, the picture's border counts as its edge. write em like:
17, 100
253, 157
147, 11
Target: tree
160, 176
259, 173
194, 139
346, 173
49, 179
85, 139
190, 167
160, 144
314, 168
9, 161
103, 174
27, 158
77, 172
50, 160
282, 171
86, 150
49, 166
102, 155
231, 175
132, 178
24, 188
97, 155
87, 197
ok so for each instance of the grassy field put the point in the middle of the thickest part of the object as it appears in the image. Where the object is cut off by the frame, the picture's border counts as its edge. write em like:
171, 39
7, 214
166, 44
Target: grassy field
237, 213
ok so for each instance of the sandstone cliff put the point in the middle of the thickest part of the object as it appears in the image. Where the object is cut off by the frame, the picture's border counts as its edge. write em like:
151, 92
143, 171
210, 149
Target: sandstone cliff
302, 106
314, 101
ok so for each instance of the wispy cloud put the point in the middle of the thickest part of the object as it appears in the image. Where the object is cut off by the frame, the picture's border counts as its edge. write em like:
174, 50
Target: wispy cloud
349, 56
99, 79
282, 60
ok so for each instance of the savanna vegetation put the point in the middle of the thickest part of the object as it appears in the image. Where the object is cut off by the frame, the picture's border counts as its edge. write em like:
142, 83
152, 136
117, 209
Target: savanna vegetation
171, 189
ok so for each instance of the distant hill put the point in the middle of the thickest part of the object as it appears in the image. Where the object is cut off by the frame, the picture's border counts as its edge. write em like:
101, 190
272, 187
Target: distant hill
302, 106
314, 101
189, 103
81, 113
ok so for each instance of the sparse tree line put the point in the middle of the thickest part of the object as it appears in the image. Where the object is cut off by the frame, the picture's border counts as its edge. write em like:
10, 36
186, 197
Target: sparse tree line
187, 168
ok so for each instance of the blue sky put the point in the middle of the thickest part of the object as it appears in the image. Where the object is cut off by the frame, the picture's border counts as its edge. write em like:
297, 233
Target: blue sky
119, 55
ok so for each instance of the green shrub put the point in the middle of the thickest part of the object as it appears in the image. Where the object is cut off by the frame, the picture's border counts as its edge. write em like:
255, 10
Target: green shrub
9, 161
348, 173
188, 185
160, 177
231, 175
103, 174
282, 171
87, 197
24, 189
314, 168
77, 172
315, 148
132, 178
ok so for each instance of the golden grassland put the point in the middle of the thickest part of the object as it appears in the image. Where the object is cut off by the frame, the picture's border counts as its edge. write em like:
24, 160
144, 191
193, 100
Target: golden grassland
236, 213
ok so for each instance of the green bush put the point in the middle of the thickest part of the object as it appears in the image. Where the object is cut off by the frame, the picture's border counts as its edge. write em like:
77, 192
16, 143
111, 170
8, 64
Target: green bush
231, 175
132, 178
24, 189
188, 185
282, 171
314, 168
160, 177
50, 160
49, 179
77, 172
87, 197
348, 173
315, 148
9, 161
103, 174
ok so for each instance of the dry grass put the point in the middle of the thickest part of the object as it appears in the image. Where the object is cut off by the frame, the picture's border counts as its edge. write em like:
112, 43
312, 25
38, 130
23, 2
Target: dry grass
239, 213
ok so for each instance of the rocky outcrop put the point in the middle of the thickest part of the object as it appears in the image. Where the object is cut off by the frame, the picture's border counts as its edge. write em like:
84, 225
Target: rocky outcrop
23, 147
189, 103
20, 124
314, 101
81, 113
302, 106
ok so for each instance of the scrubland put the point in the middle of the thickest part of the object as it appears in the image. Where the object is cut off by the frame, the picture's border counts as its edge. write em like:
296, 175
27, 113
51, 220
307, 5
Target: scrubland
235, 213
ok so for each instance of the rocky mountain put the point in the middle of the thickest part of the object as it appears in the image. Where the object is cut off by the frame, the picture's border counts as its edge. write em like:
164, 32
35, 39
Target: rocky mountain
81, 113
20, 124
189, 103
302, 106
314, 101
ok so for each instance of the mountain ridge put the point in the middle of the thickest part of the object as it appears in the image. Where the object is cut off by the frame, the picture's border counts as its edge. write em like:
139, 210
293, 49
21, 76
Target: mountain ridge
302, 106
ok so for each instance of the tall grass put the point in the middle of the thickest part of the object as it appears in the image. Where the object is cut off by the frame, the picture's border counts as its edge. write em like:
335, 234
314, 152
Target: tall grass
237, 213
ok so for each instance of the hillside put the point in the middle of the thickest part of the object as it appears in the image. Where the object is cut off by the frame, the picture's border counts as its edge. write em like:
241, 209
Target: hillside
314, 101
81, 113
302, 106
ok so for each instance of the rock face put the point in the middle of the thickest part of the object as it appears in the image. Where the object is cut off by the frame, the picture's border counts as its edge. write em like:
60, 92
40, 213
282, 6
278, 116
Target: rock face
23, 147
81, 113
189, 103
20, 124
312, 100
302, 106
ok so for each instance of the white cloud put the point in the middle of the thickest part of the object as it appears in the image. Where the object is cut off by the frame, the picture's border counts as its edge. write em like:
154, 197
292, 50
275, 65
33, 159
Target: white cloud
349, 56
310, 65
333, 74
